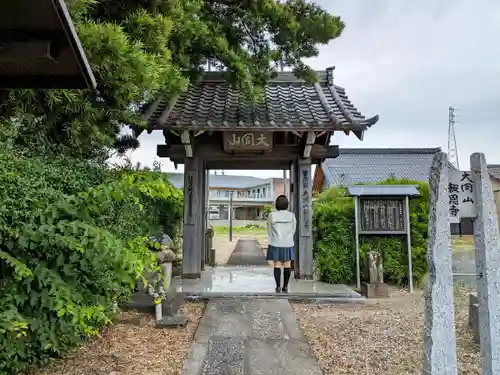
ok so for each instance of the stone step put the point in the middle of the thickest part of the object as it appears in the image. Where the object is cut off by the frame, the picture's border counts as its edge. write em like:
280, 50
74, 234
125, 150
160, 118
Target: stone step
291, 297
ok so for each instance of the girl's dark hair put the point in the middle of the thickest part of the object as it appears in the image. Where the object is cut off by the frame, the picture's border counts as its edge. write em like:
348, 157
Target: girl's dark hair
281, 203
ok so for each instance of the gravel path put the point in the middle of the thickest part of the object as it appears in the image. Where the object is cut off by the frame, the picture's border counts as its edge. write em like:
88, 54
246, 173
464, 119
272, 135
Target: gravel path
381, 338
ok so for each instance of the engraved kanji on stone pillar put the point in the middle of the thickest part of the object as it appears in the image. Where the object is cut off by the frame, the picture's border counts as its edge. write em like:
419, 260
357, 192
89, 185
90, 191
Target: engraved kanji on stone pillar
304, 222
192, 240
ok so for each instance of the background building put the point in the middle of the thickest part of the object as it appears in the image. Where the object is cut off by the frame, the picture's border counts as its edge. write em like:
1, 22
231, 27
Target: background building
250, 194
370, 165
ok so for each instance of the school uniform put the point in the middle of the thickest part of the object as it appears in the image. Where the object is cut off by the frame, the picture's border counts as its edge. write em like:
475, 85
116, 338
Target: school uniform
281, 226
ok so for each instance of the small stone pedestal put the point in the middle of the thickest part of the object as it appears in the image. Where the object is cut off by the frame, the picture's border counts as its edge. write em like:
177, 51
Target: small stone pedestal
377, 290
375, 287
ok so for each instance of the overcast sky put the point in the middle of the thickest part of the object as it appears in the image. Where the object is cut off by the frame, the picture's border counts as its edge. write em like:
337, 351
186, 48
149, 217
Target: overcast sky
408, 61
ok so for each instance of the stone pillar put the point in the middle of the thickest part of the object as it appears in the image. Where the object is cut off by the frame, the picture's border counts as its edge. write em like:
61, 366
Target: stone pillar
193, 220
304, 224
440, 356
487, 244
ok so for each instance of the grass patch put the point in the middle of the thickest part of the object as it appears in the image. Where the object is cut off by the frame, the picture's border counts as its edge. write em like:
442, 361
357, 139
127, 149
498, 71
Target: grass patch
463, 243
247, 229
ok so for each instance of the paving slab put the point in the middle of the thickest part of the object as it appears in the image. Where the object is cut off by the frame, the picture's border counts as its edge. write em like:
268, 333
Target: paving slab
249, 337
247, 252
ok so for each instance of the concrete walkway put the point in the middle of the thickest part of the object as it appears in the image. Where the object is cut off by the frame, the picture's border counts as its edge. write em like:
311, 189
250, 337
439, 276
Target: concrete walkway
249, 337
247, 252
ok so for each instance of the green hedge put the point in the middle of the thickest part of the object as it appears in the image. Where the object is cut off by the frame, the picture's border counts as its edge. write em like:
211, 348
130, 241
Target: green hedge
334, 238
73, 239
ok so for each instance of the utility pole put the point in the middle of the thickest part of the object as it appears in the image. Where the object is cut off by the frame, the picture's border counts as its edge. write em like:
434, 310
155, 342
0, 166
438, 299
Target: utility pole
285, 189
452, 141
231, 216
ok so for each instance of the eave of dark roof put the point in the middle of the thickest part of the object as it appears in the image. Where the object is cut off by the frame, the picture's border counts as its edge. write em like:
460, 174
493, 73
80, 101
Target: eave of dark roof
494, 171
368, 165
288, 104
39, 22
389, 151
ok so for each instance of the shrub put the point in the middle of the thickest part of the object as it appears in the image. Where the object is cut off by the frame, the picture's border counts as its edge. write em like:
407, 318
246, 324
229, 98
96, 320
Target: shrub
267, 210
334, 238
73, 241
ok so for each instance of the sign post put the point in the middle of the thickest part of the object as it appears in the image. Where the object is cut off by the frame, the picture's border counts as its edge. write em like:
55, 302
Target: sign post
383, 210
231, 216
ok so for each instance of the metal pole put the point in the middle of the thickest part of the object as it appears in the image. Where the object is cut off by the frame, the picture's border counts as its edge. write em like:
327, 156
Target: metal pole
231, 216
285, 192
408, 244
356, 225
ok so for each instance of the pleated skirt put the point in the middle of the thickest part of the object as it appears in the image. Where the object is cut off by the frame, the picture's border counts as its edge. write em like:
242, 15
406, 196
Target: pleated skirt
281, 254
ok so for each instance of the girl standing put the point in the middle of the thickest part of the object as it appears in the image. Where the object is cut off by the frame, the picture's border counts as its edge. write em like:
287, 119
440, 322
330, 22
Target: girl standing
281, 225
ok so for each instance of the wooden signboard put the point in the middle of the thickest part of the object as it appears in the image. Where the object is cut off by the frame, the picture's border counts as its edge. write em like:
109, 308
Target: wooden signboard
248, 141
382, 216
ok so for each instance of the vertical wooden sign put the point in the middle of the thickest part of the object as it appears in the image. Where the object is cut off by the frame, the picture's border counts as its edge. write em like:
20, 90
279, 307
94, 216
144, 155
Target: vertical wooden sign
305, 202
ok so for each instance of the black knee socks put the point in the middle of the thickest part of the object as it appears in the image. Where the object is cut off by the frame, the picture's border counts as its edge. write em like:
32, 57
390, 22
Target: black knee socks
277, 276
286, 277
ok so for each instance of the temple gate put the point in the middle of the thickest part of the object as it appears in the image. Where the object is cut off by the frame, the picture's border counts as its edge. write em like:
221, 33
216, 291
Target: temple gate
212, 126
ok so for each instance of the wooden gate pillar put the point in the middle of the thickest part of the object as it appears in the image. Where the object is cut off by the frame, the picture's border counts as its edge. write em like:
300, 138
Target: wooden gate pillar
203, 226
193, 228
303, 210
293, 208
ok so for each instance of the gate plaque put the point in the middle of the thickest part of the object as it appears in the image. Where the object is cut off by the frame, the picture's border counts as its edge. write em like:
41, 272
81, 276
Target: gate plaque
248, 141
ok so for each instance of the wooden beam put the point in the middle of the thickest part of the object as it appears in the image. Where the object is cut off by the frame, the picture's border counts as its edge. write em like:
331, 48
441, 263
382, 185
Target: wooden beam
311, 138
247, 164
186, 141
211, 152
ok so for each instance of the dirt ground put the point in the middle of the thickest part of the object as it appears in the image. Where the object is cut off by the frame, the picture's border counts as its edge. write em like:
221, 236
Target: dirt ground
385, 337
126, 349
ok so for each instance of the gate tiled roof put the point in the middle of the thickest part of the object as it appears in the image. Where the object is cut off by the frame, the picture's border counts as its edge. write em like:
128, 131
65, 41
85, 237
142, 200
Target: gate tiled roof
289, 104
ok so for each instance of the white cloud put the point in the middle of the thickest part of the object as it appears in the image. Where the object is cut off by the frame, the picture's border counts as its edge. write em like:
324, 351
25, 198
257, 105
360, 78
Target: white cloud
409, 61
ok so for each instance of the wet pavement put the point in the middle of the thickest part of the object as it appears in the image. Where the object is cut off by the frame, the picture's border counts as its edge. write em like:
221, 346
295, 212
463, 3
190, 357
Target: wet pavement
231, 281
249, 337
247, 252
251, 276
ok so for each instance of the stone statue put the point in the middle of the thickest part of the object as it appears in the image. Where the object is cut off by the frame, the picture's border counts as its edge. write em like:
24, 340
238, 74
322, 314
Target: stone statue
374, 287
164, 257
375, 268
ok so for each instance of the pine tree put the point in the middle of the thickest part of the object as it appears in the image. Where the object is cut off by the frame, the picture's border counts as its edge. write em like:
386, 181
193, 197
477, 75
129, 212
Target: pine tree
142, 49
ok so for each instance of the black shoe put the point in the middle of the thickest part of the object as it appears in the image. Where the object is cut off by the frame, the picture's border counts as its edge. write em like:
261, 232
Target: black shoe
278, 289
284, 290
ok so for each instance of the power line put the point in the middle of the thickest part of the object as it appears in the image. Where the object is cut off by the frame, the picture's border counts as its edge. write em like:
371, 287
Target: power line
452, 140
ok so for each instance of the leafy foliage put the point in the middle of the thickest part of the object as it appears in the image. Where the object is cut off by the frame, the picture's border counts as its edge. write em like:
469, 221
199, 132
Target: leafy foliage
73, 241
73, 230
334, 238
140, 50
267, 210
